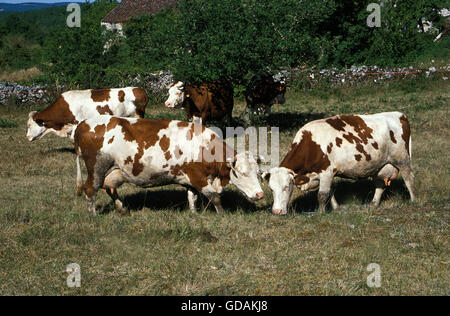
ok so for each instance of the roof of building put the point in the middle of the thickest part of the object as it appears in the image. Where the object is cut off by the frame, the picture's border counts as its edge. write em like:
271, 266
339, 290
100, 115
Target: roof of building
127, 9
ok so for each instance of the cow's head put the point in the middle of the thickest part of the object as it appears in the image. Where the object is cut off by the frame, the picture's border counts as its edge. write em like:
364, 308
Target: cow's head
281, 182
244, 175
176, 95
35, 127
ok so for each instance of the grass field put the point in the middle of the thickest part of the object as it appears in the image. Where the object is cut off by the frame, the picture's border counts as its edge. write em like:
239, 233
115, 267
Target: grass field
163, 249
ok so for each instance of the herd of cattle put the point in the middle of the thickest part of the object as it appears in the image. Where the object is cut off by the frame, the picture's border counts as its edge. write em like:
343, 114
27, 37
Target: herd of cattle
119, 146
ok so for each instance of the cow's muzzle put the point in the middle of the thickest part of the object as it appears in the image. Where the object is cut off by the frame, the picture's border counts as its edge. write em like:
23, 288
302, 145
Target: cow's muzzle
258, 196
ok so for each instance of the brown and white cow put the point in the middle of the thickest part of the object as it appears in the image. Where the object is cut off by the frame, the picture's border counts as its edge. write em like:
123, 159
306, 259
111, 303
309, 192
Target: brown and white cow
149, 153
262, 92
75, 106
205, 101
350, 146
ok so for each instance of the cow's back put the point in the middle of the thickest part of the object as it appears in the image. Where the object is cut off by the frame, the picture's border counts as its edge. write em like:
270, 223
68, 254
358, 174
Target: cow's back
354, 145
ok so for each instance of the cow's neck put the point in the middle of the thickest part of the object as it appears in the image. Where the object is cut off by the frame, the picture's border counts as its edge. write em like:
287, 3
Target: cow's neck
56, 115
306, 156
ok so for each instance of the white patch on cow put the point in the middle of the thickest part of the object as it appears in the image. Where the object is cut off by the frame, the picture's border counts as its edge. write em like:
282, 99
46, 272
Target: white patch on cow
281, 182
176, 95
34, 131
244, 175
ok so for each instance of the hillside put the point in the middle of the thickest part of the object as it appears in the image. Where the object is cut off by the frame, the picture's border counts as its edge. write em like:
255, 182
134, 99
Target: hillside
28, 6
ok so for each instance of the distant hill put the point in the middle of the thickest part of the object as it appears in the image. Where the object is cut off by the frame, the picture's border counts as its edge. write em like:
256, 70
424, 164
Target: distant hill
27, 6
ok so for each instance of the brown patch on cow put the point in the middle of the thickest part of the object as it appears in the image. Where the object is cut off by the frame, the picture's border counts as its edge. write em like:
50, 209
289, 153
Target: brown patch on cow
334, 170
406, 135
111, 140
56, 116
121, 96
164, 143
167, 155
141, 100
338, 142
330, 148
375, 145
364, 132
336, 123
100, 95
306, 156
128, 160
178, 152
391, 133
183, 124
358, 157
165, 166
104, 110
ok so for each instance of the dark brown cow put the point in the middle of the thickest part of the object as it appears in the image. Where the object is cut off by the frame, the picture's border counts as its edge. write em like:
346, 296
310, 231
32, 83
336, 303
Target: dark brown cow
206, 101
263, 92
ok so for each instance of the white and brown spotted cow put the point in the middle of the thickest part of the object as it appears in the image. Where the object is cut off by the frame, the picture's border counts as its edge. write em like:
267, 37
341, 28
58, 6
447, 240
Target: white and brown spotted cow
350, 146
149, 153
75, 106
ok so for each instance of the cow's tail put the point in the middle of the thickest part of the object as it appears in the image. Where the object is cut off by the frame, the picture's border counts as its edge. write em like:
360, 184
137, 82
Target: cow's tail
79, 176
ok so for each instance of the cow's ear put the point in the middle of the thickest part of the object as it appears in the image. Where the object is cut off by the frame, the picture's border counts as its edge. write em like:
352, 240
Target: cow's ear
300, 180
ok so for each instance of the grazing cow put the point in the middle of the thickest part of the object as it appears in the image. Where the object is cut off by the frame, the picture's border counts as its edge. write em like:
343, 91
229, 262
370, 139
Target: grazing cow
149, 153
206, 101
263, 92
75, 106
350, 146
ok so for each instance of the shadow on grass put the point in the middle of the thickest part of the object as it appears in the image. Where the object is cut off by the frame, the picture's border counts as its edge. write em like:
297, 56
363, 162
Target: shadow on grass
176, 201
60, 150
345, 191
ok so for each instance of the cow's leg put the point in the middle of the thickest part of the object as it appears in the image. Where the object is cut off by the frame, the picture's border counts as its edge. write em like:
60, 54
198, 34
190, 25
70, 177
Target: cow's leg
111, 183
380, 186
192, 198
215, 200
324, 191
117, 202
90, 191
79, 177
334, 203
408, 177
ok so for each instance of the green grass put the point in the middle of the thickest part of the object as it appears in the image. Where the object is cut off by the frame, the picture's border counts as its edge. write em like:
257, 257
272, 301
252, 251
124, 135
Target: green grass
6, 124
163, 249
